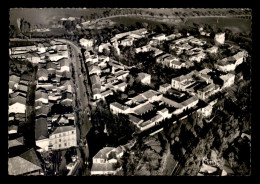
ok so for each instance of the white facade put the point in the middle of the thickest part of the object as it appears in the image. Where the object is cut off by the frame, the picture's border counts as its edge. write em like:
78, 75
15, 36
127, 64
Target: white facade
220, 38
17, 108
43, 144
63, 140
86, 43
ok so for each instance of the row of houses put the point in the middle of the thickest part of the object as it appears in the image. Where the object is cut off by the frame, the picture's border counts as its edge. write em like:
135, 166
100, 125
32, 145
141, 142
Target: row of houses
54, 131
21, 161
41, 52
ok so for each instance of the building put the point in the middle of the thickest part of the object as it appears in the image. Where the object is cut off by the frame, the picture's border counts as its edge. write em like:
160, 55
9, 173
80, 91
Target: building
104, 162
17, 108
117, 108
164, 88
206, 91
220, 38
42, 75
104, 46
120, 87
25, 164
190, 102
230, 63
63, 137
145, 78
16, 142
86, 43
41, 134
212, 50
228, 80
159, 37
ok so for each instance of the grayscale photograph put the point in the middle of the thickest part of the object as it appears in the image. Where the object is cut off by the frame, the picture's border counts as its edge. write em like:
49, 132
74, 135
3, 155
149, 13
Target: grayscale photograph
129, 91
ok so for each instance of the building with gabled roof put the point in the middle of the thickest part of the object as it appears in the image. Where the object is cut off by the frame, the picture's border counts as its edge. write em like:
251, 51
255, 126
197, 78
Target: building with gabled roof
17, 107
145, 78
41, 134
16, 142
27, 163
63, 137
164, 88
228, 80
13, 129
103, 164
117, 108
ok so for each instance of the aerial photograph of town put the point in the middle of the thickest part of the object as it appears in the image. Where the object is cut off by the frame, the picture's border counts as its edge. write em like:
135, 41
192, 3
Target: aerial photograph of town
129, 92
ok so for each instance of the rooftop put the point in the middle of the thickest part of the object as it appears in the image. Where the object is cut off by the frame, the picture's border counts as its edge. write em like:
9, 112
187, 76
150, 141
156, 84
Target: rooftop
119, 106
63, 129
41, 129
25, 163
103, 152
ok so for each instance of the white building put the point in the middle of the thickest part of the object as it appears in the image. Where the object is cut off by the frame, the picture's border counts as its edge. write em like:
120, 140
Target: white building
63, 137
228, 80
220, 38
17, 108
86, 43
145, 78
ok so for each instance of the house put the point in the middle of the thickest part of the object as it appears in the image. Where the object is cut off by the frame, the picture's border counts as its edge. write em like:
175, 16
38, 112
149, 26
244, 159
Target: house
159, 37
207, 78
182, 81
117, 108
212, 50
41, 96
12, 129
206, 91
104, 161
106, 93
17, 97
42, 111
230, 63
16, 142
86, 43
17, 108
96, 93
104, 46
64, 65
145, 78
63, 137
206, 111
33, 57
22, 88
126, 42
190, 102
25, 164
41, 134
228, 80
135, 120
219, 38
42, 75
150, 123
15, 79
66, 99
171, 37
197, 56
93, 69
164, 88
121, 86
121, 74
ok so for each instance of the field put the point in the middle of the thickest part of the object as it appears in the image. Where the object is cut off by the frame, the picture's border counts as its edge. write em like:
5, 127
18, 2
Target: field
234, 24
45, 15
